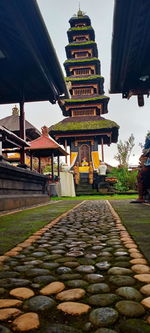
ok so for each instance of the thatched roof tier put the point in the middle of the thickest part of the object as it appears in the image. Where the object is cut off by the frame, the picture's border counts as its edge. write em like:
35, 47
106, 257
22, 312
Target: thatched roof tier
45, 146
80, 17
80, 31
81, 45
68, 104
85, 79
94, 125
12, 124
82, 62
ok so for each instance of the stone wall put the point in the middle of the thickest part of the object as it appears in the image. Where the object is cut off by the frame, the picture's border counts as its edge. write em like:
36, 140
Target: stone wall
21, 187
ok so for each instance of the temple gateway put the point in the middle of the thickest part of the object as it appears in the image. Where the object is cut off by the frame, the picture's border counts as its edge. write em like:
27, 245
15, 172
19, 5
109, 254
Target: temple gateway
84, 127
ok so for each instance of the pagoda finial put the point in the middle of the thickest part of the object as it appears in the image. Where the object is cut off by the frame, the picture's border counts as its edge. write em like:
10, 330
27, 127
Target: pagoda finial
44, 130
15, 111
80, 12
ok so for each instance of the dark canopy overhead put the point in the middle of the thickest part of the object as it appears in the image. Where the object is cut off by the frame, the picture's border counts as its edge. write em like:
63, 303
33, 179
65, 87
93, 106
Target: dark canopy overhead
29, 68
130, 60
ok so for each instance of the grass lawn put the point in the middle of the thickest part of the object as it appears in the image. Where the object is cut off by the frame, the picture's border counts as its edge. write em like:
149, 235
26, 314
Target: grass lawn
98, 197
15, 228
136, 218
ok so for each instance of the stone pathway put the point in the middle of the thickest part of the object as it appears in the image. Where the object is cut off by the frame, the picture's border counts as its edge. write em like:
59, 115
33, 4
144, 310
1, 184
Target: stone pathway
85, 274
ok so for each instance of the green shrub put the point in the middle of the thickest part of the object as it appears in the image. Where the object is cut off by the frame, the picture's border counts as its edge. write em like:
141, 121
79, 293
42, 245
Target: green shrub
126, 180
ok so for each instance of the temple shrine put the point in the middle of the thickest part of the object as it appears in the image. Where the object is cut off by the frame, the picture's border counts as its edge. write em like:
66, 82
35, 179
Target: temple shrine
84, 127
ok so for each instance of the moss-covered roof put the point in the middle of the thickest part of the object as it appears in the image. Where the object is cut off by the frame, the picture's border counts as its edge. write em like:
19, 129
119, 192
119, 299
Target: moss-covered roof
86, 99
81, 28
92, 77
64, 126
83, 43
80, 60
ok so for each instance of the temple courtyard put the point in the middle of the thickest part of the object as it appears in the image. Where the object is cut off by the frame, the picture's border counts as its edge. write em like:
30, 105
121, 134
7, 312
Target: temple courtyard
78, 266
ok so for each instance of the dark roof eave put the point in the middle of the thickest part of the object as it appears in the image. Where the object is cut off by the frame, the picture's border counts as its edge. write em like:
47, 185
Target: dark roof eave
31, 37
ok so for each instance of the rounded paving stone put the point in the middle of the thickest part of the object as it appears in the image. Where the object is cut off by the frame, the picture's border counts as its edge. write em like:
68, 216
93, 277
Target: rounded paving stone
7, 303
39, 303
27, 321
71, 294
77, 283
98, 288
136, 255
22, 293
134, 326
73, 308
94, 277
124, 264
85, 269
119, 271
12, 282
122, 280
38, 254
22, 269
103, 265
63, 270
143, 277
120, 253
36, 272
8, 274
104, 316
50, 265
52, 288
44, 279
138, 261
130, 308
71, 264
145, 290
91, 255
141, 269
103, 300
75, 254
9, 313
146, 302
68, 276
129, 293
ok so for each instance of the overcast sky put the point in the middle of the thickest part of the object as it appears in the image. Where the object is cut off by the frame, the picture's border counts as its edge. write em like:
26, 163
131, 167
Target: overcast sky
127, 114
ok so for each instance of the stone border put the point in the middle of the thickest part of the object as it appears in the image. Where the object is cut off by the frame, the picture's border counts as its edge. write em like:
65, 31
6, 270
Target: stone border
15, 251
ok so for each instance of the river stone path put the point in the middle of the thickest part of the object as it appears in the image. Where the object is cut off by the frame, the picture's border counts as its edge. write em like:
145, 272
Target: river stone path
84, 274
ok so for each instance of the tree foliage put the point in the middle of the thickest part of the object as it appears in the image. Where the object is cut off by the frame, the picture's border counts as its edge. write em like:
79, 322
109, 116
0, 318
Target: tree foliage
124, 151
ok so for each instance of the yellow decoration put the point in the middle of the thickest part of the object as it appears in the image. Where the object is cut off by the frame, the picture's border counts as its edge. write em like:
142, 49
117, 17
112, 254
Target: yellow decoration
95, 159
73, 157
84, 169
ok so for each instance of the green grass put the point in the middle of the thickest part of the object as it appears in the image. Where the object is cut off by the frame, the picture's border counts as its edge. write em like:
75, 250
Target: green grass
136, 218
98, 197
15, 228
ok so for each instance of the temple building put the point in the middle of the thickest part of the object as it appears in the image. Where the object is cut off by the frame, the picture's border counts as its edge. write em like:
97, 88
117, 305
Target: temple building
84, 127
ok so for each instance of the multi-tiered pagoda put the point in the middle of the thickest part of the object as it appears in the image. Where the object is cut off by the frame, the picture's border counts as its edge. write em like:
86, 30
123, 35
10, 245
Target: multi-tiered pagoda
84, 128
